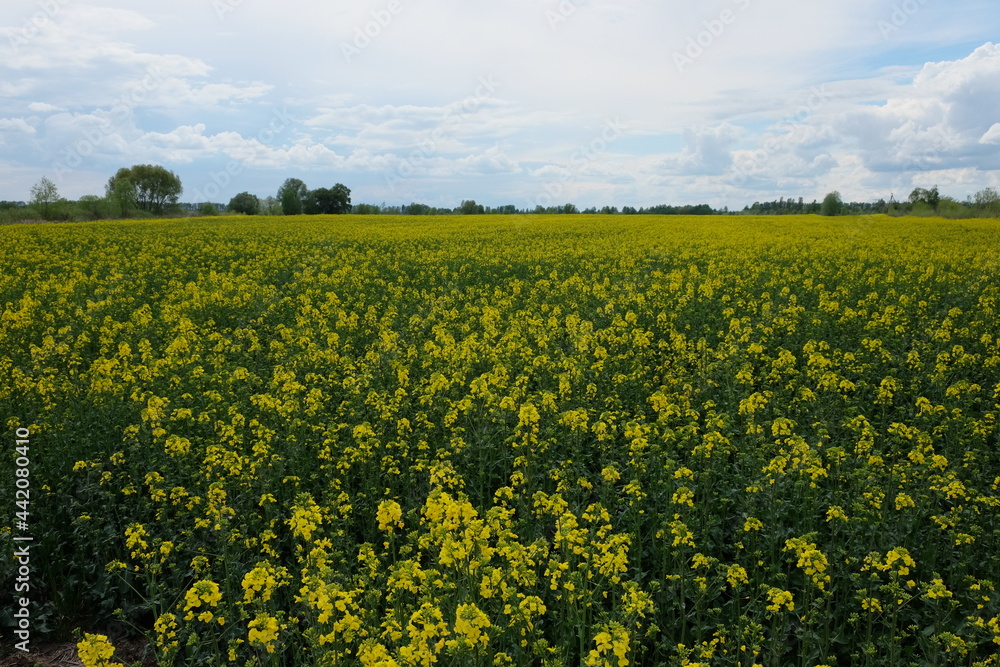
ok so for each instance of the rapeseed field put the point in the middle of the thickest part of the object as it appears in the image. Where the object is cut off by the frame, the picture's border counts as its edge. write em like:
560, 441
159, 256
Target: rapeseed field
489, 440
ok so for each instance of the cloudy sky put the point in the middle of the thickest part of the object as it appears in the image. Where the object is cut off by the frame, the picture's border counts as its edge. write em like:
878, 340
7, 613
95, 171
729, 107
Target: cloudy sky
525, 102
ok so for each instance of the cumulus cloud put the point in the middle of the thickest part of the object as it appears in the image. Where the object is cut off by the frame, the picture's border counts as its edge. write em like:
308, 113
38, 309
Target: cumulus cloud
939, 121
709, 151
493, 161
16, 125
992, 135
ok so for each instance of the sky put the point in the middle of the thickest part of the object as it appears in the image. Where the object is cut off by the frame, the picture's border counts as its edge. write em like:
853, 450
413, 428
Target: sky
524, 102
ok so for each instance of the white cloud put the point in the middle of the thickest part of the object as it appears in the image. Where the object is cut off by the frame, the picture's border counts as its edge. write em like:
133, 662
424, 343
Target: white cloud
43, 107
493, 161
16, 125
708, 151
936, 125
939, 121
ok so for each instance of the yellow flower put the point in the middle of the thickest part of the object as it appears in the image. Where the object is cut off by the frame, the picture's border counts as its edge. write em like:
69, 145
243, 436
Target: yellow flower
612, 647
389, 515
937, 589
262, 581
779, 598
374, 654
902, 556
166, 631
135, 536
871, 604
811, 559
736, 575
683, 496
96, 651
836, 512
305, 518
470, 622
202, 592
264, 631
682, 534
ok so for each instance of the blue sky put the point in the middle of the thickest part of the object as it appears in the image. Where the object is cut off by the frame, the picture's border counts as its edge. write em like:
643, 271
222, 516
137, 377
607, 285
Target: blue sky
519, 102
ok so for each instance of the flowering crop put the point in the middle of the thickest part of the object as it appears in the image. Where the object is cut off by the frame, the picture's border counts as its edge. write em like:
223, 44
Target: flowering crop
544, 440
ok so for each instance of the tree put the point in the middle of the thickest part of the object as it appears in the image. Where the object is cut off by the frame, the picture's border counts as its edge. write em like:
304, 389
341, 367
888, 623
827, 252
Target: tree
930, 197
155, 186
292, 194
832, 204
245, 203
417, 209
934, 197
987, 203
270, 206
948, 207
121, 195
43, 195
470, 207
335, 200
92, 206
208, 208
340, 199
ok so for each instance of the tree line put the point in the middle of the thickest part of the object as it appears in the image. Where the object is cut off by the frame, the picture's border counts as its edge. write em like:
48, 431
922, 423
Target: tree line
151, 190
142, 190
294, 198
920, 202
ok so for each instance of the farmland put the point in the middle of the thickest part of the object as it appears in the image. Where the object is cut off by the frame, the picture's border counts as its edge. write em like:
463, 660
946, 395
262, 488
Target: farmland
535, 440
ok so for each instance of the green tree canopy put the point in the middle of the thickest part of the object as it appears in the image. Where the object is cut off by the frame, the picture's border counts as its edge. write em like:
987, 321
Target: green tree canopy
930, 197
270, 206
333, 200
470, 207
987, 203
244, 203
293, 194
121, 195
43, 195
832, 204
155, 186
